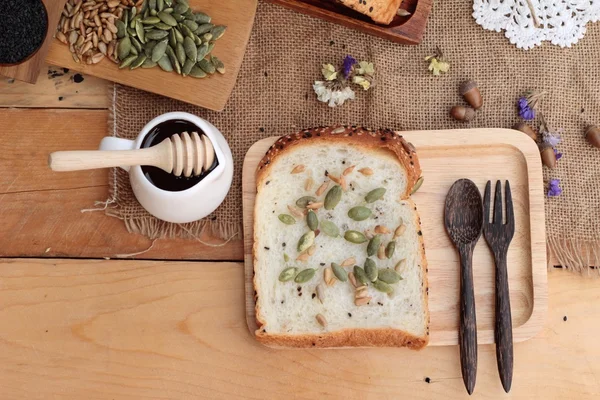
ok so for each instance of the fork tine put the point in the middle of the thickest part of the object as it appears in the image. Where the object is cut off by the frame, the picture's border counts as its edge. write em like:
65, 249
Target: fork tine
510, 216
498, 204
486, 203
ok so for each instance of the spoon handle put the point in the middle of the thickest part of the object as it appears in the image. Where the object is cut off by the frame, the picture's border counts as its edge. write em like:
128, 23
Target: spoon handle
467, 335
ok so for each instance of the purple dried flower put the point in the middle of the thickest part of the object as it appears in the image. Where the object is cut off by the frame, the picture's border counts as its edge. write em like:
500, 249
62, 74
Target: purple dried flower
557, 154
553, 188
551, 138
524, 110
349, 62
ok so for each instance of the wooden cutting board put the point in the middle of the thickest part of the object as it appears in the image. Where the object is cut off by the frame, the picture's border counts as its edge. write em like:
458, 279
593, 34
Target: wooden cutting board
408, 29
445, 156
29, 70
211, 92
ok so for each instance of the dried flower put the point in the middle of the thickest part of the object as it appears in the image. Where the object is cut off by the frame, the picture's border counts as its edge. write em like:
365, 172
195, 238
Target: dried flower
437, 63
365, 68
335, 90
528, 104
554, 188
347, 65
329, 72
557, 154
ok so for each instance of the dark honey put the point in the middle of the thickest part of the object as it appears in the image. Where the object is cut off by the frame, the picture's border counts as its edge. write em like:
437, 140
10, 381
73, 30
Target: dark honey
162, 179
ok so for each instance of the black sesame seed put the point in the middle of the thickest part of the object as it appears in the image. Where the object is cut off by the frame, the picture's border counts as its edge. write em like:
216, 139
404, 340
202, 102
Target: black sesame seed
565, 318
343, 161
61, 98
322, 264
300, 294
299, 288
420, 233
370, 9
380, 303
267, 248
314, 295
282, 301
283, 244
350, 315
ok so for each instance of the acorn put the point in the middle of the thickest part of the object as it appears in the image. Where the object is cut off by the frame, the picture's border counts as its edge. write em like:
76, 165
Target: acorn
526, 129
592, 135
548, 157
462, 113
470, 92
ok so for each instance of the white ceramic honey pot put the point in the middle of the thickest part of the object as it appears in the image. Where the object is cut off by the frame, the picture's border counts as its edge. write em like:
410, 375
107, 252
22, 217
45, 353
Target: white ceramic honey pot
186, 205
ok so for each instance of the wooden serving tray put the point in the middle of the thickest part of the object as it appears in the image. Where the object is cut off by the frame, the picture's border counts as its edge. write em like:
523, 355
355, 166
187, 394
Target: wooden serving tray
445, 156
211, 92
404, 30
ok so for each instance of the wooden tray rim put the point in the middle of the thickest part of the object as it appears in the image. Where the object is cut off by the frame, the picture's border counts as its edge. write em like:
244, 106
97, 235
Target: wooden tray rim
435, 139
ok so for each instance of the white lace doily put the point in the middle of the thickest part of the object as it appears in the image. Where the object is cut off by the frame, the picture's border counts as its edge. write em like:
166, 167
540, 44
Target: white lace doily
562, 22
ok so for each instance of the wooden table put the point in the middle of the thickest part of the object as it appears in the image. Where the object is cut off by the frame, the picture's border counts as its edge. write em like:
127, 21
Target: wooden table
76, 326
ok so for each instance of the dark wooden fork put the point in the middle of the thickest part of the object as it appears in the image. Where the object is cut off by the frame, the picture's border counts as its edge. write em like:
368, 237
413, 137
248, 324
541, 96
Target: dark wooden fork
498, 236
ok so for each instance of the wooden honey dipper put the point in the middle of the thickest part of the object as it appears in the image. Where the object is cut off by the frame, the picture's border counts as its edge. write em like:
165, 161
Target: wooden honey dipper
180, 154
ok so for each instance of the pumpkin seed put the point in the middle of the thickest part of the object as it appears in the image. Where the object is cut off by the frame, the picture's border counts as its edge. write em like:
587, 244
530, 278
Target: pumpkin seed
196, 72
180, 53
190, 49
178, 35
285, 218
359, 213
312, 221
148, 46
148, 63
417, 185
127, 61
172, 38
207, 37
178, 17
303, 201
138, 61
165, 64
206, 66
151, 4
388, 275
124, 48
153, 12
168, 10
190, 24
180, 8
121, 29
390, 248
329, 228
218, 31
141, 34
160, 5
305, 275
162, 26
197, 40
168, 3
156, 34
373, 245
133, 22
159, 50
203, 51
355, 237
211, 46
218, 64
167, 18
150, 20
360, 275
339, 272
187, 67
306, 241
204, 28
186, 31
136, 44
287, 274
383, 287
130, 32
202, 18
333, 197
371, 269
374, 195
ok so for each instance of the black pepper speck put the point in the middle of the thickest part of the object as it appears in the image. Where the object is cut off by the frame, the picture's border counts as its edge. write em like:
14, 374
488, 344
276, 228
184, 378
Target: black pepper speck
427, 379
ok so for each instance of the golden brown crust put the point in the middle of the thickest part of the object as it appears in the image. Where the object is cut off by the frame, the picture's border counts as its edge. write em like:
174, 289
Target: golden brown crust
378, 337
382, 11
381, 138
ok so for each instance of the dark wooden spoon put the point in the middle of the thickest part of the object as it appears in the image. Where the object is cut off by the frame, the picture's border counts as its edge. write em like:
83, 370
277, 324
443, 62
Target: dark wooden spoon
463, 217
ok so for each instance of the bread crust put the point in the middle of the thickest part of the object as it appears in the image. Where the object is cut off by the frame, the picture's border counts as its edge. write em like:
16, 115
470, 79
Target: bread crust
364, 137
350, 337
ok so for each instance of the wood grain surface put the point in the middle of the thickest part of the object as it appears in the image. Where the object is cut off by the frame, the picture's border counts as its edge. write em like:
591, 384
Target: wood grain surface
40, 210
29, 70
119, 329
211, 92
405, 30
480, 155
56, 88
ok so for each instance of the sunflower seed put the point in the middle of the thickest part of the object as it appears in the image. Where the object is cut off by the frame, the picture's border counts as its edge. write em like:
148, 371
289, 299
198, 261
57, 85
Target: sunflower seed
355, 237
306, 241
320, 292
321, 320
399, 230
321, 188
339, 272
400, 265
366, 171
297, 169
348, 262
381, 252
352, 279
285, 218
359, 213
305, 275
328, 276
333, 197
288, 274
374, 195
362, 301
388, 275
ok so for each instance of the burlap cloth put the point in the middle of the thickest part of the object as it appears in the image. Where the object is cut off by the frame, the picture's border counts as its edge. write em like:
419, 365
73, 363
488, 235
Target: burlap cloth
273, 96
